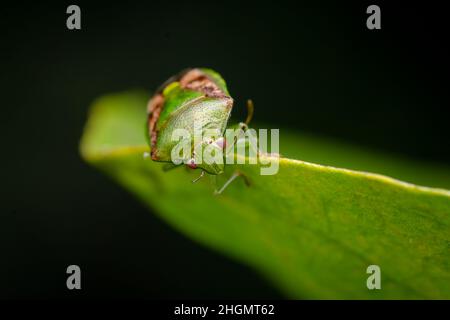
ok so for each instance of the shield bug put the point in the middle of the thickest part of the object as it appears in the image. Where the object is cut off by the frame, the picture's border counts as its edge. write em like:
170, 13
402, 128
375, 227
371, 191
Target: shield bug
195, 99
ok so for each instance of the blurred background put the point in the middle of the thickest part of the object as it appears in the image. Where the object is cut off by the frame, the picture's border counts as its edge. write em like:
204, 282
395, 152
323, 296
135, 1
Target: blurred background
314, 68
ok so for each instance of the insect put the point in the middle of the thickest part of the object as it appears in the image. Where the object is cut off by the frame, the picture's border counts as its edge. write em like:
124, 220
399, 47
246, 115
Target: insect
197, 95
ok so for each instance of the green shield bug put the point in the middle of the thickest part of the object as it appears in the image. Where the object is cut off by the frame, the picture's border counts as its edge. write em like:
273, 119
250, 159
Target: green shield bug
195, 99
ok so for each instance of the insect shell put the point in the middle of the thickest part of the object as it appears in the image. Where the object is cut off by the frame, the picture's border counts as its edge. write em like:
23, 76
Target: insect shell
198, 95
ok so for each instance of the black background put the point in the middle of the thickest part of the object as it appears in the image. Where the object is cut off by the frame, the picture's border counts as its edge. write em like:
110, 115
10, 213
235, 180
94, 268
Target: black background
312, 66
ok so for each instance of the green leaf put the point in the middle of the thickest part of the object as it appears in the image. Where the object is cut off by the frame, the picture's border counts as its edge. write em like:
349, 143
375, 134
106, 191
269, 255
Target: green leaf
311, 229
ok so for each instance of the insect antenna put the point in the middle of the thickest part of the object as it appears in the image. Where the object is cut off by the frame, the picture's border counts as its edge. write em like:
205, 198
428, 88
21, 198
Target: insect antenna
250, 110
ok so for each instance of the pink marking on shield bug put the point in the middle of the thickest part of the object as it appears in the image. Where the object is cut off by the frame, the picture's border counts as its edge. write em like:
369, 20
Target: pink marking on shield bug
221, 142
191, 164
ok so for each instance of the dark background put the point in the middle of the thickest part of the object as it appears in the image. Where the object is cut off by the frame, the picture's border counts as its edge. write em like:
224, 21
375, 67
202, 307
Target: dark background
313, 67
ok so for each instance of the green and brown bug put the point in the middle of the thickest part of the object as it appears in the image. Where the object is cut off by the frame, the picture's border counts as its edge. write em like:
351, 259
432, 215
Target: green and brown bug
197, 95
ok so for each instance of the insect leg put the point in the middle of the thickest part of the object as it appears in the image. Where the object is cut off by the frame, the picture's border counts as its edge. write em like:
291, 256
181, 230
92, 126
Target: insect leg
199, 177
231, 179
